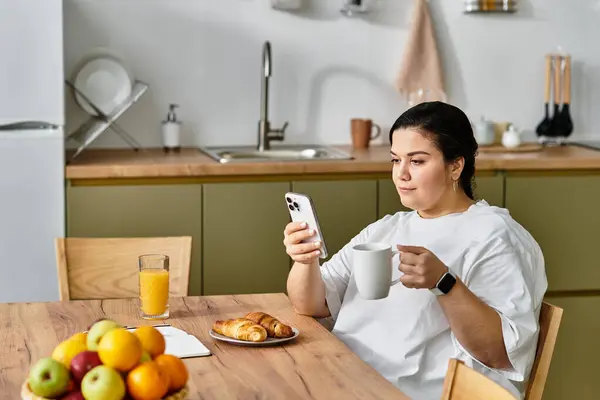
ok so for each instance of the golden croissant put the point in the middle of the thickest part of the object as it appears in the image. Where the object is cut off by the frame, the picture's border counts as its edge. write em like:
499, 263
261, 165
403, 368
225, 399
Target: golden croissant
241, 329
274, 327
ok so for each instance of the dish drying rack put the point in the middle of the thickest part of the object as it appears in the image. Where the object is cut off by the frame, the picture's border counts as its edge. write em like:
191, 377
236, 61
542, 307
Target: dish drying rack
95, 126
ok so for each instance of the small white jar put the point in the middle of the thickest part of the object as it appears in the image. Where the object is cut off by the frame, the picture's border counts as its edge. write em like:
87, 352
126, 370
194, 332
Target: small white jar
511, 138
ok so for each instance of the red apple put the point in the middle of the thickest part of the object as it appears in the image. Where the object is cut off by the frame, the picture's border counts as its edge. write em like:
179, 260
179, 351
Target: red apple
82, 363
73, 396
72, 386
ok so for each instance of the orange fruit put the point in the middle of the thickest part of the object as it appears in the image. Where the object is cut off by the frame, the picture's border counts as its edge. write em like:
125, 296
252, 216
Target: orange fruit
120, 349
147, 381
80, 337
152, 340
66, 350
175, 368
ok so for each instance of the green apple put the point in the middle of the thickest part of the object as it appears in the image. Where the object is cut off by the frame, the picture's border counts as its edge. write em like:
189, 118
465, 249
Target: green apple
98, 330
103, 383
48, 378
145, 357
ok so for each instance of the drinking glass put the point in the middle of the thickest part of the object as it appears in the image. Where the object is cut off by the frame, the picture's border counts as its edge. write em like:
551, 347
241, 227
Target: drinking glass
154, 286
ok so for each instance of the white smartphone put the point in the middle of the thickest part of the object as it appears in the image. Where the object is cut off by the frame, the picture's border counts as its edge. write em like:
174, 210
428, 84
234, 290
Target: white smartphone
302, 209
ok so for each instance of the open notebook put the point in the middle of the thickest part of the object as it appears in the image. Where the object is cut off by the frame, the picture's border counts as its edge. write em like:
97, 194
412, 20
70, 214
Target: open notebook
180, 343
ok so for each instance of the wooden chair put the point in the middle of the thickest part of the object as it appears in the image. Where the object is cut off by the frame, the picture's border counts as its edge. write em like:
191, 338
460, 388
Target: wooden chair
102, 268
458, 374
550, 317
464, 383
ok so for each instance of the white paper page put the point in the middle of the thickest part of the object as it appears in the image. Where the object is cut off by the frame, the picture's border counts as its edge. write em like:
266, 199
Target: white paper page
181, 344
168, 330
186, 346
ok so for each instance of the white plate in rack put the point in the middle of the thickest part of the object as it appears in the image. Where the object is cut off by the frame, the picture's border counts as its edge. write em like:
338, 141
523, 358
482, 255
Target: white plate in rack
268, 341
105, 82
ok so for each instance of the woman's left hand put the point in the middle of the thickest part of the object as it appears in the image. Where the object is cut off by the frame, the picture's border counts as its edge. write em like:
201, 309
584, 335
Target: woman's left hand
422, 269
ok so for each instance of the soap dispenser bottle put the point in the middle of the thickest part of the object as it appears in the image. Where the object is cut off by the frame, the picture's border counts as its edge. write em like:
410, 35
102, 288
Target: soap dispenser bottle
171, 129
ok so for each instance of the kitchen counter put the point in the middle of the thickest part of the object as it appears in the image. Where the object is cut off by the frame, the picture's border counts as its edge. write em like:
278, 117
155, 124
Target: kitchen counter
153, 163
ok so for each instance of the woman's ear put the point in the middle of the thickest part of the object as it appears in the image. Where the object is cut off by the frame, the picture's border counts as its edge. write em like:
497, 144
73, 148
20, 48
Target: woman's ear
457, 167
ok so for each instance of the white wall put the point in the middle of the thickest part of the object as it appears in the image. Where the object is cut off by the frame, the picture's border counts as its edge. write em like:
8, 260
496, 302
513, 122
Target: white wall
205, 55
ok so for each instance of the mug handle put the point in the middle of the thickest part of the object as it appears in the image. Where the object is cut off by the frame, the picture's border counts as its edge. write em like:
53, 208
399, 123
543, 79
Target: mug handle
395, 281
377, 130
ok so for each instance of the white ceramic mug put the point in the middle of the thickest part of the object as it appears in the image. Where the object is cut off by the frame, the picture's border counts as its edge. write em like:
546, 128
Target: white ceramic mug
373, 269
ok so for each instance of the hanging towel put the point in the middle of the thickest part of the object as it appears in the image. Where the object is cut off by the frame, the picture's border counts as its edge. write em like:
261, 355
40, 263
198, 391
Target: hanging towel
421, 67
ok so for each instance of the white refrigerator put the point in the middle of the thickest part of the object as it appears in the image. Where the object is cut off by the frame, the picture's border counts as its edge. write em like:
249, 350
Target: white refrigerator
32, 159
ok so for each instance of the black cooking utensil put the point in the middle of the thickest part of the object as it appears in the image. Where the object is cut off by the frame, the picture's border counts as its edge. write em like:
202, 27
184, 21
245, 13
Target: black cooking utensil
546, 123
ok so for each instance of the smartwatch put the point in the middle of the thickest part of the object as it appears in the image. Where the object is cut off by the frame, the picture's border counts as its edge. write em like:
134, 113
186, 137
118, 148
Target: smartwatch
445, 284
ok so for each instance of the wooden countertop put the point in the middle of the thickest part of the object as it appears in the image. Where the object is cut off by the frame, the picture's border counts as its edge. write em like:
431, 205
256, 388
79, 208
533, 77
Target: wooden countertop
153, 163
315, 365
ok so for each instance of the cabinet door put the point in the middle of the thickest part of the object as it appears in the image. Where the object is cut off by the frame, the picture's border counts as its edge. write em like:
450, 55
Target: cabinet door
243, 238
560, 213
344, 208
489, 187
574, 369
139, 211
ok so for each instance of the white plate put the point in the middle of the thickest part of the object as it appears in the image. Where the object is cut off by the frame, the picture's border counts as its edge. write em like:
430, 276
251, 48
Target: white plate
268, 342
105, 82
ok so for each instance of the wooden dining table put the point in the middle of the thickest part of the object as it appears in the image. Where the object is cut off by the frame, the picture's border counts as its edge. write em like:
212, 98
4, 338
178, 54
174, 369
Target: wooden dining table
314, 365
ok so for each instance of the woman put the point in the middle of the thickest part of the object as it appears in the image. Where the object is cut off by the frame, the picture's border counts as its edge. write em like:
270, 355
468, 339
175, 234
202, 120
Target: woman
486, 308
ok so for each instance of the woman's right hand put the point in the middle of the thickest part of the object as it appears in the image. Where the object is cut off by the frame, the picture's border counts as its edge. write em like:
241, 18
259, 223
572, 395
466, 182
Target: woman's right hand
303, 253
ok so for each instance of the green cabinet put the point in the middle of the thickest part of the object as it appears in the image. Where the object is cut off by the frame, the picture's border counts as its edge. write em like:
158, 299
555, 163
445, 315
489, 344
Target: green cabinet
243, 237
490, 188
343, 208
487, 187
560, 211
573, 372
139, 211
237, 230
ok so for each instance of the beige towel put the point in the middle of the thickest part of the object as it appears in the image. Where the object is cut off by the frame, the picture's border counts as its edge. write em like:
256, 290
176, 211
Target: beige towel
421, 67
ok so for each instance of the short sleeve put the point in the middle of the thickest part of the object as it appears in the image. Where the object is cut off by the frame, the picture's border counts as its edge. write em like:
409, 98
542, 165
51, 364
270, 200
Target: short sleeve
336, 275
337, 271
504, 278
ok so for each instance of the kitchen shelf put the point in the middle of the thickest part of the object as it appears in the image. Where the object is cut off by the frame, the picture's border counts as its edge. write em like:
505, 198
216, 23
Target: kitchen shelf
490, 6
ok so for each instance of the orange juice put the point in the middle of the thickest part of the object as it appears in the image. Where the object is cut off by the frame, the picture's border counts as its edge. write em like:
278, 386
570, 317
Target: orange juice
154, 292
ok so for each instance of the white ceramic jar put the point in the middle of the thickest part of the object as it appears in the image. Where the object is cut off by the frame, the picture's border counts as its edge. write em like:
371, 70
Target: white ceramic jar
511, 138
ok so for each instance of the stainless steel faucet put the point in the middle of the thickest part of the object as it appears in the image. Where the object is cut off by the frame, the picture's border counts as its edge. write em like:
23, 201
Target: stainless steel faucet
265, 133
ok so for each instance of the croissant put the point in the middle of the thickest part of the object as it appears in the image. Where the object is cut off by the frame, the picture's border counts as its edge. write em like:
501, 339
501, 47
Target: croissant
274, 327
241, 329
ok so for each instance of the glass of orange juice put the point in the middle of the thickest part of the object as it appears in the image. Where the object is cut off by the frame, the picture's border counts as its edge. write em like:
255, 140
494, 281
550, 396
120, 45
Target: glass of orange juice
154, 286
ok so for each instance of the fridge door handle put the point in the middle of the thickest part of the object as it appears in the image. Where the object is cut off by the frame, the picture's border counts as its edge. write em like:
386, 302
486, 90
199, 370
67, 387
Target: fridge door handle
28, 126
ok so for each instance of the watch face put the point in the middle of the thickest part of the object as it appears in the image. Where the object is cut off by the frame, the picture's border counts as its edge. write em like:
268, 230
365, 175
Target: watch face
446, 283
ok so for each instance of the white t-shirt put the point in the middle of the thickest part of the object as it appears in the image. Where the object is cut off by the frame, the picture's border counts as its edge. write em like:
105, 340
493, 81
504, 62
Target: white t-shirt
406, 336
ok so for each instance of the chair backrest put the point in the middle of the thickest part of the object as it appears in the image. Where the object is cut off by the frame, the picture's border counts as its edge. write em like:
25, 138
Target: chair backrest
103, 268
550, 317
464, 383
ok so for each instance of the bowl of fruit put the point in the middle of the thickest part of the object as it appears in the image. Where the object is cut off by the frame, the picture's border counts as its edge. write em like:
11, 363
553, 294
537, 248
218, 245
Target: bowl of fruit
108, 362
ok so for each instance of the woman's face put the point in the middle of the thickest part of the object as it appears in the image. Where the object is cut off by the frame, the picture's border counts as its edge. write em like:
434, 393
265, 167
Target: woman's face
421, 176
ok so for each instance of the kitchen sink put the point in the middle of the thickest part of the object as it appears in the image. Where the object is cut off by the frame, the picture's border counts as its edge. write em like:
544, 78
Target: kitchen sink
278, 153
